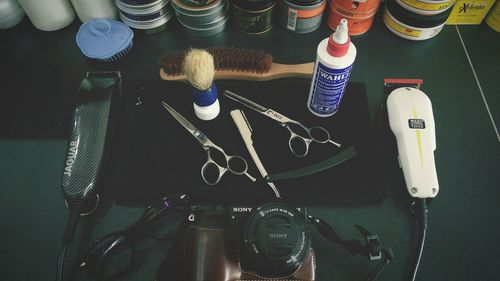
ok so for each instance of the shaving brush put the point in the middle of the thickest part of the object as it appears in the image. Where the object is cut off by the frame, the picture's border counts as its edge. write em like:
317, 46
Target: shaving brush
198, 66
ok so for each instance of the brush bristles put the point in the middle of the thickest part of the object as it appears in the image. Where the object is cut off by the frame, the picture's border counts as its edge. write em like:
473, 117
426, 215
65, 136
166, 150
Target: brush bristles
172, 65
244, 60
198, 66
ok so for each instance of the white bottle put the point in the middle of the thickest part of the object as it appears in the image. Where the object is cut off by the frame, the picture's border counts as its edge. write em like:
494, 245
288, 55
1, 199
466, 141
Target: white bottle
335, 56
94, 9
49, 15
11, 13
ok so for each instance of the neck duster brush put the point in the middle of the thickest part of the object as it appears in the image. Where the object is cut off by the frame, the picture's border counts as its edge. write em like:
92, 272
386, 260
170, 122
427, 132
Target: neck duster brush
198, 66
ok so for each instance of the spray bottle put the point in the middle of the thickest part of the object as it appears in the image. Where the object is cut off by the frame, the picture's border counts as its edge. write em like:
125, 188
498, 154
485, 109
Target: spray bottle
335, 56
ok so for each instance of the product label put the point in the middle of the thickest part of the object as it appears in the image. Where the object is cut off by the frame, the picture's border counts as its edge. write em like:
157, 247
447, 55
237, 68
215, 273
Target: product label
292, 19
254, 22
469, 11
429, 6
327, 89
400, 28
468, 7
70, 159
416, 123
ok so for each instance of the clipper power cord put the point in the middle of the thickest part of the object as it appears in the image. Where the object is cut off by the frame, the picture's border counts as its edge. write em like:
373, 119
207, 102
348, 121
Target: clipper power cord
91, 129
412, 122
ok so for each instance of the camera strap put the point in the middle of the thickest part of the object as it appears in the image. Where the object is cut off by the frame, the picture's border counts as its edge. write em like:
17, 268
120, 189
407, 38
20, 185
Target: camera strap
372, 250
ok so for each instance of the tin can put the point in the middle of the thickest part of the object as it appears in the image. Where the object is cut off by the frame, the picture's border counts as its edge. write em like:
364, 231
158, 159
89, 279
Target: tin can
199, 15
412, 26
202, 20
357, 6
207, 30
493, 18
197, 2
149, 16
302, 16
253, 16
358, 22
426, 7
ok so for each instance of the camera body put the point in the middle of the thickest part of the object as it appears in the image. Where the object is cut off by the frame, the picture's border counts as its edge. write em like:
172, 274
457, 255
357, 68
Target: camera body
268, 242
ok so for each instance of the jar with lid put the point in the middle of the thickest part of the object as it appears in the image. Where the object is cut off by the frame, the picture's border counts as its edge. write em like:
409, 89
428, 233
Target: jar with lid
48, 15
94, 9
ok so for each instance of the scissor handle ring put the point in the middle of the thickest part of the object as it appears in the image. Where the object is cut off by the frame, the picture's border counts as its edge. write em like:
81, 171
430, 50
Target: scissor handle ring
314, 137
305, 141
208, 164
236, 172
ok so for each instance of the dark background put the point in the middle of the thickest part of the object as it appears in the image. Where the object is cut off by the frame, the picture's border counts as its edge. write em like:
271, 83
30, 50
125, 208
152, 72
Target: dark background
40, 72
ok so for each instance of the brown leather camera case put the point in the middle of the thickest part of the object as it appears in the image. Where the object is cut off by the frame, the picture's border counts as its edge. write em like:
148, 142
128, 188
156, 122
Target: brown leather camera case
211, 254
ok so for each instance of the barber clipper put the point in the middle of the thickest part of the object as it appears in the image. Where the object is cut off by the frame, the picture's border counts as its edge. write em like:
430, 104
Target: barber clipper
91, 129
412, 121
88, 145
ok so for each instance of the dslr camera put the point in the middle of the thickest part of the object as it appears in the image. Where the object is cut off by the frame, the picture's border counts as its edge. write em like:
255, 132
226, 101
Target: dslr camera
268, 242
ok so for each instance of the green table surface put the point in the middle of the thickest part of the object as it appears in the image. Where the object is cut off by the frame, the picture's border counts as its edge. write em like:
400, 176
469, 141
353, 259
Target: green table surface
40, 70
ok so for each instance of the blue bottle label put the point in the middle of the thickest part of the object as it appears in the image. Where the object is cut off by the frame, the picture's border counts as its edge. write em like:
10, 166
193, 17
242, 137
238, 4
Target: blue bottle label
328, 89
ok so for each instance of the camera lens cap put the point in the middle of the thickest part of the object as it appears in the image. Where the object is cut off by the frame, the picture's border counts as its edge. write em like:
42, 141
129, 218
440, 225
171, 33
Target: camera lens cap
276, 239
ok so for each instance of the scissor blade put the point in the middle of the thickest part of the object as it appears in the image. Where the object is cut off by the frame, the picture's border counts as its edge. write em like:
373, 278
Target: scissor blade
245, 102
183, 121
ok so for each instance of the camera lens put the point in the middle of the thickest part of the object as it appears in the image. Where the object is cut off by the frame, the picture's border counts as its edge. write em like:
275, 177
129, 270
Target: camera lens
277, 240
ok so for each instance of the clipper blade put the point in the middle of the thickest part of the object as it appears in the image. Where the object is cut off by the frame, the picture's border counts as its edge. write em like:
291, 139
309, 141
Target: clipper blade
390, 84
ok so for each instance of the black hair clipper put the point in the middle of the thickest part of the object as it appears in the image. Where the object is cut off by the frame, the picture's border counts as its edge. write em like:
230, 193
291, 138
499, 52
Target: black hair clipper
92, 125
91, 129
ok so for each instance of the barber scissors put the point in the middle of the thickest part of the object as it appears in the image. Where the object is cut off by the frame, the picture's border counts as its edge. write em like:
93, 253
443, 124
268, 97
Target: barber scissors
211, 171
300, 136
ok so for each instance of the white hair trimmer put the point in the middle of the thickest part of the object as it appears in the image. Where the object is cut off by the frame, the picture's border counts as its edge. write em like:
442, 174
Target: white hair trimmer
412, 122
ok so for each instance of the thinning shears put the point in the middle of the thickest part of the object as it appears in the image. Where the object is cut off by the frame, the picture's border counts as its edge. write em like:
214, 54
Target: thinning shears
211, 171
300, 136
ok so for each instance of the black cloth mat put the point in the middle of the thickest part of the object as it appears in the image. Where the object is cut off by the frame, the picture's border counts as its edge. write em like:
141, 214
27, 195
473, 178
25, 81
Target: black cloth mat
153, 155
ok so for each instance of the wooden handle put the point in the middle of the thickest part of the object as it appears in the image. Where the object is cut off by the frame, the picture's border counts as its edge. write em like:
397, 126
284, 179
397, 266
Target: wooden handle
277, 71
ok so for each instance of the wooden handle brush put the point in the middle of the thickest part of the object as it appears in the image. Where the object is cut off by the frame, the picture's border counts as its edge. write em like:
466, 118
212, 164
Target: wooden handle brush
238, 64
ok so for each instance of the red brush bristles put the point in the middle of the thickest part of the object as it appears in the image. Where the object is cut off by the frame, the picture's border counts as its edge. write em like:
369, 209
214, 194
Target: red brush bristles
244, 60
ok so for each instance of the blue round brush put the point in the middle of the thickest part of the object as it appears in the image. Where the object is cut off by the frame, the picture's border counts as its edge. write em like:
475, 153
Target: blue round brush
104, 39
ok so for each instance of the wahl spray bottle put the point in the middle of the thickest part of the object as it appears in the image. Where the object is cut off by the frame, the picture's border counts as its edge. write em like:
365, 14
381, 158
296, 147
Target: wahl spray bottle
335, 57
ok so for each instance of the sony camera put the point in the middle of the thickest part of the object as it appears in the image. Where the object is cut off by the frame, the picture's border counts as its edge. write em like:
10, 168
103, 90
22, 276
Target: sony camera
268, 242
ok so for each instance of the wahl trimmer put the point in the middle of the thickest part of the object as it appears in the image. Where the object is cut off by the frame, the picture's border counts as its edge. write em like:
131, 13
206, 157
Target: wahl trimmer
91, 124
412, 122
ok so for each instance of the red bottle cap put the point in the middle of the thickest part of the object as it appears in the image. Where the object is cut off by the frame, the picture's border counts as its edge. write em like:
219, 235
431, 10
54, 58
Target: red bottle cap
339, 42
336, 49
